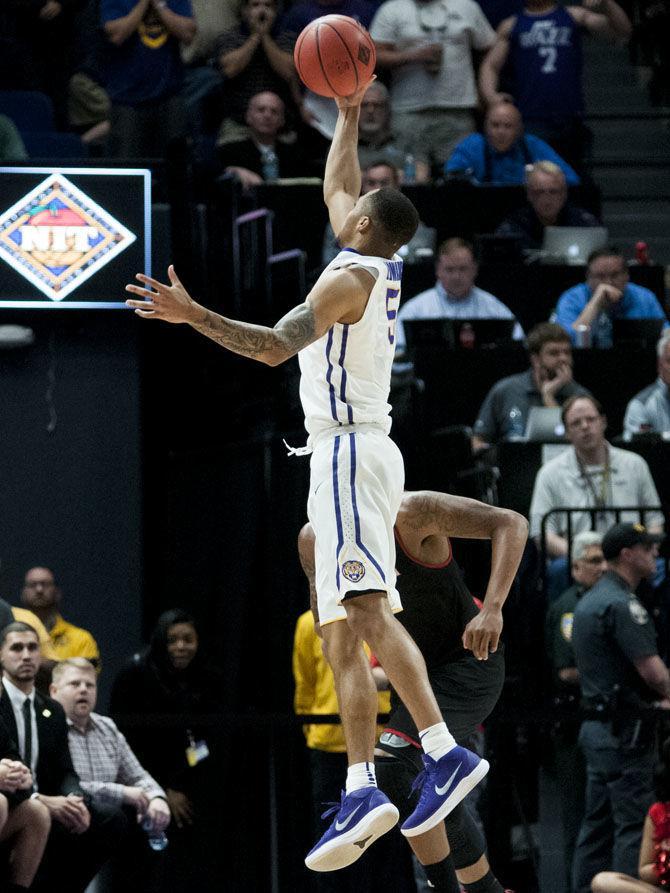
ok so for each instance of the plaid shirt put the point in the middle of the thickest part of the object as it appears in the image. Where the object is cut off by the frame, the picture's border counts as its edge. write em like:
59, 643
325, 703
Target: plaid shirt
105, 763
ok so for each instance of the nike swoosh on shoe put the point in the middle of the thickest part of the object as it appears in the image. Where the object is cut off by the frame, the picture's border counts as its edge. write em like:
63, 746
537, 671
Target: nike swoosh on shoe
439, 791
340, 826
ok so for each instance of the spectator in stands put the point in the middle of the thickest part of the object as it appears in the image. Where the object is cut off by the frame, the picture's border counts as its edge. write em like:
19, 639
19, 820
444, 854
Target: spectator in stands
253, 58
454, 295
621, 675
607, 294
10, 613
212, 18
11, 144
262, 155
376, 176
650, 409
41, 595
548, 382
88, 104
428, 49
144, 74
502, 153
588, 566
24, 823
82, 838
300, 14
591, 474
173, 678
109, 772
543, 45
376, 141
548, 205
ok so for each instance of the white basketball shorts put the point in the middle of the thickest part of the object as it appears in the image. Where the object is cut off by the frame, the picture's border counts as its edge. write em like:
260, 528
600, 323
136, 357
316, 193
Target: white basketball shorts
356, 486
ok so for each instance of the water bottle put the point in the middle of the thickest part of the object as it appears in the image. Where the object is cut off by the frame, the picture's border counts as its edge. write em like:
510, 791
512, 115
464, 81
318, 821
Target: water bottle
157, 839
409, 170
270, 165
642, 254
515, 429
583, 336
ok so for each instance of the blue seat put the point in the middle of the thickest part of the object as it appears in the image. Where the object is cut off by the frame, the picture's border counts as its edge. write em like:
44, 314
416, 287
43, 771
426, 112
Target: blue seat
54, 145
28, 109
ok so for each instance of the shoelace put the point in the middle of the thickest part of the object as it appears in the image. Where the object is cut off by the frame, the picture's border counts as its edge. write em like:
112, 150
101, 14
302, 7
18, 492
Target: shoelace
418, 782
297, 451
333, 806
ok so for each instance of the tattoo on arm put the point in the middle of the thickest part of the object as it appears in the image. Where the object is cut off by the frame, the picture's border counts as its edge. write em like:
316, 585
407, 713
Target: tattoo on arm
293, 332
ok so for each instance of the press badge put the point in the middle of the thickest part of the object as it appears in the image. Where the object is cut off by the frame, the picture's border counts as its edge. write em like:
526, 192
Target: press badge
196, 752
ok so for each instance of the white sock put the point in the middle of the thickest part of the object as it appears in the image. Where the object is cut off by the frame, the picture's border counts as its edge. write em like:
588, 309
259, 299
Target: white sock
361, 775
437, 740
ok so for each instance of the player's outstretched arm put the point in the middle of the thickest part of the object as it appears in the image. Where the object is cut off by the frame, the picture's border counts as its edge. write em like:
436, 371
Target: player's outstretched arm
338, 295
342, 178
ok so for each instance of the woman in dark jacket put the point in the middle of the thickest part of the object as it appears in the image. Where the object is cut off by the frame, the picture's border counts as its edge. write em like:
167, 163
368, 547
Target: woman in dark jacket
165, 700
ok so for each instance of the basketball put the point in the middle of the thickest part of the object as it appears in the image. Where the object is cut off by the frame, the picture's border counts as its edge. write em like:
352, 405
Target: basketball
334, 55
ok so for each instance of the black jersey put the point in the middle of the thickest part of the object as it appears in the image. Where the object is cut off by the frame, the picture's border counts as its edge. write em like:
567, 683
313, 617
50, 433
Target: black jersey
437, 606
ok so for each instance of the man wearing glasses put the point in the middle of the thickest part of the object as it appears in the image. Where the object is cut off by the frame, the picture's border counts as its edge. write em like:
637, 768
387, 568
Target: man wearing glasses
548, 205
591, 474
607, 294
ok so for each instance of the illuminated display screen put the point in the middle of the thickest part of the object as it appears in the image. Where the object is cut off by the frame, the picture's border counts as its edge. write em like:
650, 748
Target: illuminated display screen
72, 237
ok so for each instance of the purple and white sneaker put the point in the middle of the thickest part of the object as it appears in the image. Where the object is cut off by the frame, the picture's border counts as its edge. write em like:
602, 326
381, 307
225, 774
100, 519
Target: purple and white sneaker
444, 783
361, 817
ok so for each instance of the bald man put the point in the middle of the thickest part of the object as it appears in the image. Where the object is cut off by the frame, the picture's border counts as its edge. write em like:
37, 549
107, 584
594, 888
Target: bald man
500, 155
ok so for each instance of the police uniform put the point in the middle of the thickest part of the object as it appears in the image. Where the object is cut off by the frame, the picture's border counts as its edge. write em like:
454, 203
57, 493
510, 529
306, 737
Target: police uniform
612, 630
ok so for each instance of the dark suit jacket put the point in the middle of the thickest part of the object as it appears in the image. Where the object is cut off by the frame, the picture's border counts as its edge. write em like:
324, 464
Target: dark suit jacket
9, 751
55, 773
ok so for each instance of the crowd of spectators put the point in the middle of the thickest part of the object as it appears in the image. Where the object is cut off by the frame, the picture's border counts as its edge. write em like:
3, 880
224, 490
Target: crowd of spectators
78, 799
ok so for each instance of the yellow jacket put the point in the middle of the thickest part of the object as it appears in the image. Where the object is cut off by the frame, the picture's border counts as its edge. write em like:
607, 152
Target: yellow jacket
315, 687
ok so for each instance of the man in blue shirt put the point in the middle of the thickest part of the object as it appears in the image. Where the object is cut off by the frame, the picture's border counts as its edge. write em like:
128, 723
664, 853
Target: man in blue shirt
607, 294
143, 72
455, 295
500, 155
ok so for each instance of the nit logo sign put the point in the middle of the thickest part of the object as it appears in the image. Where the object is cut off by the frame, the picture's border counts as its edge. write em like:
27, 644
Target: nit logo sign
57, 237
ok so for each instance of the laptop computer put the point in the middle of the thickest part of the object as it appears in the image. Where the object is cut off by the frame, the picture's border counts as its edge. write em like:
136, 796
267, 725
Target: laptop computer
448, 334
492, 249
544, 424
571, 244
645, 332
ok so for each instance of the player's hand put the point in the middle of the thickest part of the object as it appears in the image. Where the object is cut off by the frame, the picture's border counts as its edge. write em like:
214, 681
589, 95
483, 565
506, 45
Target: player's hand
348, 102
607, 295
482, 634
171, 303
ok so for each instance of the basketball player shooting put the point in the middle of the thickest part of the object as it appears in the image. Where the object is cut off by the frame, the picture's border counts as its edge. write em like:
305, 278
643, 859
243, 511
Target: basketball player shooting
344, 337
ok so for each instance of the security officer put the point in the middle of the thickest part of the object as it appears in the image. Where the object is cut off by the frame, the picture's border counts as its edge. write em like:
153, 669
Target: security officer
621, 674
588, 566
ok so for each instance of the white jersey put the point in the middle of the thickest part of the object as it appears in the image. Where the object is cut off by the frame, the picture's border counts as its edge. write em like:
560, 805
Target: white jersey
346, 374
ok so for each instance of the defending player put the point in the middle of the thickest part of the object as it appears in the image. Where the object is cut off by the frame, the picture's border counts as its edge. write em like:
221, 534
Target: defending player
344, 335
440, 614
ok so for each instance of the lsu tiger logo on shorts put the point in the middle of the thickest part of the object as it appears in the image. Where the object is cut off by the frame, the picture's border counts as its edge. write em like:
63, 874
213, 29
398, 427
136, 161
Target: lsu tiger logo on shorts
57, 237
353, 571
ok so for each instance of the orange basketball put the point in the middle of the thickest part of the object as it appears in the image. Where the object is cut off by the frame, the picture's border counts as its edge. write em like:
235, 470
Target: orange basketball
334, 55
